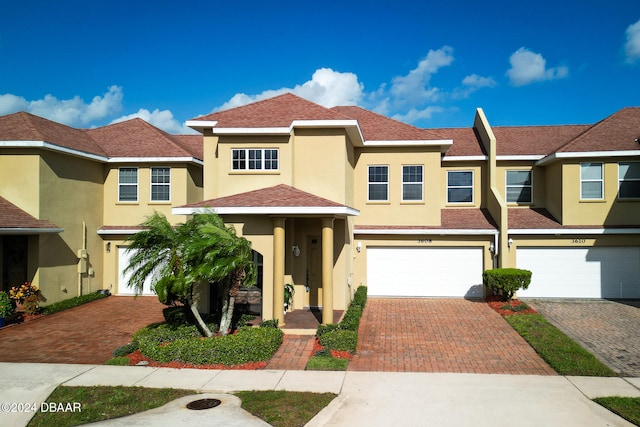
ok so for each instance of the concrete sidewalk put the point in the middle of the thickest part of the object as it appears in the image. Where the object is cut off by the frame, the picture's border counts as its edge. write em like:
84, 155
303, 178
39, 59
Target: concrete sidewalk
372, 398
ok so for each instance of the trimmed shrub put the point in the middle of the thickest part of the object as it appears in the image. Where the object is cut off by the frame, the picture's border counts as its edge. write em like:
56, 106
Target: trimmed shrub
72, 302
360, 297
506, 281
340, 339
247, 345
177, 315
323, 329
351, 319
271, 323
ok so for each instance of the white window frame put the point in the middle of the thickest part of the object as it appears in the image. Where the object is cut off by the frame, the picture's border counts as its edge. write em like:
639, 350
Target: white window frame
380, 183
128, 184
413, 183
472, 187
622, 179
262, 161
507, 186
159, 184
600, 180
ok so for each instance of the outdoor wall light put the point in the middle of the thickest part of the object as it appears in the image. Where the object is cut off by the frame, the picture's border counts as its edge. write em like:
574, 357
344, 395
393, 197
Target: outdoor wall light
107, 247
510, 242
359, 247
296, 250
492, 247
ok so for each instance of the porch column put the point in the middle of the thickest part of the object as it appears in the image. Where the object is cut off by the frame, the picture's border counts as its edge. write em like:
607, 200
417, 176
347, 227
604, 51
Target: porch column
278, 270
327, 270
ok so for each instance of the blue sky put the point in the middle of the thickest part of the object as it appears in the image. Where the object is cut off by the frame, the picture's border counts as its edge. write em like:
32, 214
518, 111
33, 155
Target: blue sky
431, 64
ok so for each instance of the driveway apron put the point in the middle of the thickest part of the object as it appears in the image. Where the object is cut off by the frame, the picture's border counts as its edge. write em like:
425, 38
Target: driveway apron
84, 334
610, 330
441, 335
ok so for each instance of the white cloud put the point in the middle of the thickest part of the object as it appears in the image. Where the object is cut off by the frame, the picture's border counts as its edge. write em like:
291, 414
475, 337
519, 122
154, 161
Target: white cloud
414, 88
414, 114
161, 119
72, 112
326, 87
632, 46
529, 67
471, 84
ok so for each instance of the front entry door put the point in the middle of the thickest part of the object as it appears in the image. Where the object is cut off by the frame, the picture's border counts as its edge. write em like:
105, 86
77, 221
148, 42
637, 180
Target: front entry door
314, 271
14, 261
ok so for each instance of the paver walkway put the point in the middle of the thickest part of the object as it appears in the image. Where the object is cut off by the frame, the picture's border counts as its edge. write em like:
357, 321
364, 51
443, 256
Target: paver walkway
293, 354
441, 335
84, 334
610, 330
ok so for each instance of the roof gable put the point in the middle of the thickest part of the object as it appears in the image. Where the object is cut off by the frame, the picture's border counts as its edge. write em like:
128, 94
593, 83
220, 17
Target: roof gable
279, 111
617, 132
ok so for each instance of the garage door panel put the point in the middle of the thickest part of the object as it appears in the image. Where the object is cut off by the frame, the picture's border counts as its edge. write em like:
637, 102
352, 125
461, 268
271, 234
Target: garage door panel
123, 279
425, 272
594, 272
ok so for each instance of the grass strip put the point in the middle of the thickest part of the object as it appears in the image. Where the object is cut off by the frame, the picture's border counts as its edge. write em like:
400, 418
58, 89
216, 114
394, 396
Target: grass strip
326, 363
627, 407
103, 403
284, 408
563, 354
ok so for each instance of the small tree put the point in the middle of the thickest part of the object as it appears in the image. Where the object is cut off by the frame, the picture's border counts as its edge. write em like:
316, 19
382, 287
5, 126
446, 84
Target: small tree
506, 281
177, 258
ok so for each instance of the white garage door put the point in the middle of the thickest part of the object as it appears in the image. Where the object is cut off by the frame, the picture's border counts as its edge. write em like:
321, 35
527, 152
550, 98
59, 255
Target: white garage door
425, 272
595, 272
123, 279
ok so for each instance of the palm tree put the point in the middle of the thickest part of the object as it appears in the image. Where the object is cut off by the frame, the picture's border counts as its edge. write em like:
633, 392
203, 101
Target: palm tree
175, 259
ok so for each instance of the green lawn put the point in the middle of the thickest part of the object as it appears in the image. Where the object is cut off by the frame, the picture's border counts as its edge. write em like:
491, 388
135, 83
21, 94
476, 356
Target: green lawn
627, 407
278, 408
563, 354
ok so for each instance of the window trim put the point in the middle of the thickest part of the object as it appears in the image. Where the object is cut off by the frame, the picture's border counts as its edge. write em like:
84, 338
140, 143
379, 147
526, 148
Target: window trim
620, 180
601, 180
263, 159
506, 186
128, 184
377, 183
421, 183
151, 184
472, 186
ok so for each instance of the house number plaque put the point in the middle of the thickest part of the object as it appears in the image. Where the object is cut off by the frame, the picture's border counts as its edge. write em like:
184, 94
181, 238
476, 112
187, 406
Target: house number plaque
424, 240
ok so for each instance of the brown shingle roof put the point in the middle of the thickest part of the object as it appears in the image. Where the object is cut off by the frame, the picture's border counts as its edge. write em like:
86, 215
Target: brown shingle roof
27, 127
137, 138
451, 219
525, 218
278, 111
617, 132
12, 216
376, 127
534, 140
278, 196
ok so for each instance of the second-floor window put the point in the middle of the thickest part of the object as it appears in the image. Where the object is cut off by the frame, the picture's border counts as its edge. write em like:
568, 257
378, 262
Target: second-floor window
460, 187
591, 181
378, 183
519, 186
412, 182
629, 180
128, 184
254, 159
160, 184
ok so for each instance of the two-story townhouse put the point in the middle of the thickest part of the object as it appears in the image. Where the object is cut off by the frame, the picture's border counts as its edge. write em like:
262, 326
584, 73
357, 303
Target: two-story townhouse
66, 198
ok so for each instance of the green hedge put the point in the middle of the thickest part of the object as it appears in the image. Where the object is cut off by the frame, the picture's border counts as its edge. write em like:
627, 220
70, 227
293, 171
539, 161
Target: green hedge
340, 339
506, 281
72, 302
185, 345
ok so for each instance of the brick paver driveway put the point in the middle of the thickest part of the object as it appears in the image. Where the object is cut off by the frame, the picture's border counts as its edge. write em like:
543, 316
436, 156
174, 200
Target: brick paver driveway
609, 330
441, 335
84, 334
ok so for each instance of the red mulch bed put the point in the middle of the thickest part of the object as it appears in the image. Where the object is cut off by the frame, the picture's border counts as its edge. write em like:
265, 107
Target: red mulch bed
334, 353
137, 357
508, 308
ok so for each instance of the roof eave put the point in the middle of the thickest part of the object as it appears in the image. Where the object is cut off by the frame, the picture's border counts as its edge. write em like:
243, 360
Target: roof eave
268, 210
586, 154
29, 230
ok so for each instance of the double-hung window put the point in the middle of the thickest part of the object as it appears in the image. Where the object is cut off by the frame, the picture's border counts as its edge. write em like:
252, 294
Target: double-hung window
254, 159
460, 187
128, 184
629, 180
378, 183
591, 181
519, 186
160, 184
412, 182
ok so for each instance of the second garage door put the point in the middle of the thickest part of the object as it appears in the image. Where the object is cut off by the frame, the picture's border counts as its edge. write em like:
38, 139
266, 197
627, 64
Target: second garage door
425, 272
124, 257
594, 272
